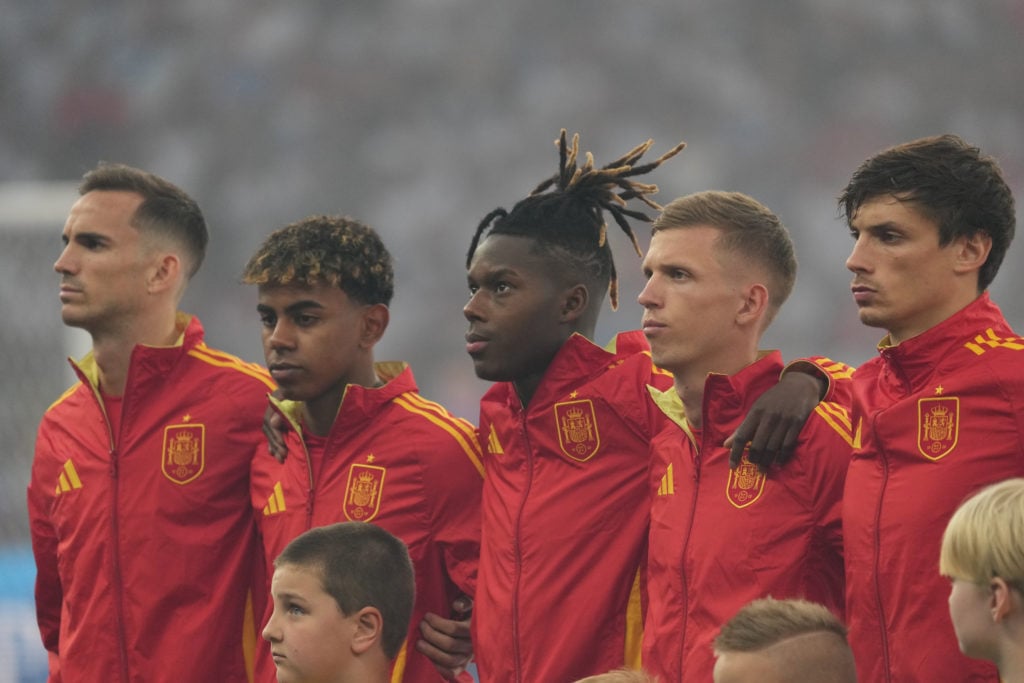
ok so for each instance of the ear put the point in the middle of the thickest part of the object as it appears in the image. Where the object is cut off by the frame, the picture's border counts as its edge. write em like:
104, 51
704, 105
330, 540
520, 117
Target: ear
753, 304
369, 630
971, 252
574, 303
165, 273
1000, 599
375, 322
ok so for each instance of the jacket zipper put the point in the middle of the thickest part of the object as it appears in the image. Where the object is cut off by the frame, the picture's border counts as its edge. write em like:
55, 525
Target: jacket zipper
516, 654
686, 545
115, 529
877, 557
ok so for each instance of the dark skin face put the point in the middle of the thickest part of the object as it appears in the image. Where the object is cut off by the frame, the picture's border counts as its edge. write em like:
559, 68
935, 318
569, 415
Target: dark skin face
520, 312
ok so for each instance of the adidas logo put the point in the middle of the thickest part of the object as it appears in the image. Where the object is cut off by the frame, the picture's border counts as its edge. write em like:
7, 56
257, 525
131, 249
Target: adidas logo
667, 486
493, 445
68, 479
275, 504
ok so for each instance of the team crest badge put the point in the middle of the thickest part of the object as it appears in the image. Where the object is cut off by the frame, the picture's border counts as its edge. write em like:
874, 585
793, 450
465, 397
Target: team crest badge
184, 455
938, 426
577, 429
362, 495
745, 484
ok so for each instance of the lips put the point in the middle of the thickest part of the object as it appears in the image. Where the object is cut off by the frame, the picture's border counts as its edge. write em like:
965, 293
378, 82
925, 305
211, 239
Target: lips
475, 343
67, 292
282, 372
650, 326
862, 294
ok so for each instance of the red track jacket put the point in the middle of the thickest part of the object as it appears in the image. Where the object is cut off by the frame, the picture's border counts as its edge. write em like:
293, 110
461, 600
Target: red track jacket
395, 459
721, 538
940, 416
144, 540
565, 510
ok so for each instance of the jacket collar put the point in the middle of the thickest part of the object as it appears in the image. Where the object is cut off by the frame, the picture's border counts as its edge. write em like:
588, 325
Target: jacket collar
727, 398
914, 361
359, 404
576, 362
147, 361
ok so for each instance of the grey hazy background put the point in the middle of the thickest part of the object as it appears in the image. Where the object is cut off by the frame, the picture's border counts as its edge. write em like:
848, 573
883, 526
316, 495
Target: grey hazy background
420, 116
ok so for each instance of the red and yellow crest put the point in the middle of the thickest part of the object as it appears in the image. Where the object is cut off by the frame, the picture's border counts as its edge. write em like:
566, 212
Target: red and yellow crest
184, 455
938, 426
745, 484
363, 492
577, 429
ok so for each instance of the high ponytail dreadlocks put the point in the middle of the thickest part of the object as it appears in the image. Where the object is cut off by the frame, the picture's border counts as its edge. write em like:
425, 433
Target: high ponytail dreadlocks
568, 222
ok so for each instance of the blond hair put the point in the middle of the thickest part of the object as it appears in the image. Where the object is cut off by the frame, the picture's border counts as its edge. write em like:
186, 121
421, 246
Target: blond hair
985, 536
748, 228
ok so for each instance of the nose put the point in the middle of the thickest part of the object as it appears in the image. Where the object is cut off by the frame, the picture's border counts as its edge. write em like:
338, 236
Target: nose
63, 264
472, 309
271, 633
856, 262
280, 336
647, 297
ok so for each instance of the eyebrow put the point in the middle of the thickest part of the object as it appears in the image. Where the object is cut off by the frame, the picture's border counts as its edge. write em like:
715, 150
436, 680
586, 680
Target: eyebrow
96, 236
289, 595
296, 307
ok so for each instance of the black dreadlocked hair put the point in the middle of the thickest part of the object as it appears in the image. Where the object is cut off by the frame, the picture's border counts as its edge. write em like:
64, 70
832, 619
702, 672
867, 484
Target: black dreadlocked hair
568, 222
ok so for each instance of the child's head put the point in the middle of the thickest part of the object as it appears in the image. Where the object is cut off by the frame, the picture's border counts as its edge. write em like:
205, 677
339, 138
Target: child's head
776, 641
983, 554
324, 288
620, 676
985, 536
343, 597
542, 271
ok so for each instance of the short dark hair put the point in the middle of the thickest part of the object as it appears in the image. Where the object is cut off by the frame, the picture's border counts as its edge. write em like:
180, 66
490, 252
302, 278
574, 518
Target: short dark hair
166, 209
568, 222
951, 182
361, 565
337, 250
748, 228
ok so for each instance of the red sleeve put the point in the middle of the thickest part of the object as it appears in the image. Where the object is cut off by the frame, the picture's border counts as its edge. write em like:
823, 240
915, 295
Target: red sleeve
48, 595
826, 457
454, 479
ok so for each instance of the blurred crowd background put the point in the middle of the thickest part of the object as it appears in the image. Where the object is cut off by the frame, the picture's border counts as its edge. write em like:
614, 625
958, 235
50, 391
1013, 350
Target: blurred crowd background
420, 116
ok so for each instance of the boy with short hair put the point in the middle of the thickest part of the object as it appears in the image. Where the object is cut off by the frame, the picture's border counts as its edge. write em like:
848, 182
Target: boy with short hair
363, 445
783, 641
342, 598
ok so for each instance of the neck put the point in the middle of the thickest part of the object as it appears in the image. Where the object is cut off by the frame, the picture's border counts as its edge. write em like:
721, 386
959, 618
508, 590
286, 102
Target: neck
375, 670
320, 412
112, 348
527, 385
936, 317
690, 381
1011, 655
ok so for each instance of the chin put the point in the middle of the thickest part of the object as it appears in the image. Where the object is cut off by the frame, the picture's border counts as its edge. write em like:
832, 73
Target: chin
872, 319
490, 374
72, 320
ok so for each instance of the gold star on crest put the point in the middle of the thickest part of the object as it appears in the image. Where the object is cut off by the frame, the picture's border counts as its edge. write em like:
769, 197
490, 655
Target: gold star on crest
939, 390
187, 418
574, 394
370, 457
